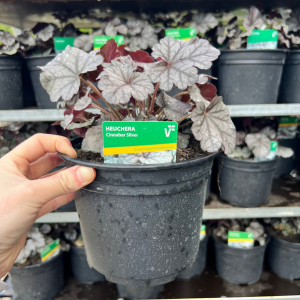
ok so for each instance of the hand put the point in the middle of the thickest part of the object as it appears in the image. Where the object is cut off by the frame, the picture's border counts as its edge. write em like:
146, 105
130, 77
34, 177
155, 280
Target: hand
25, 196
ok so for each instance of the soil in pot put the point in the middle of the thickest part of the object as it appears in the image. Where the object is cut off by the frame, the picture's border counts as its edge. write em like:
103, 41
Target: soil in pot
239, 266
250, 76
140, 223
11, 96
246, 183
41, 281
132, 293
80, 268
283, 254
199, 265
42, 98
289, 88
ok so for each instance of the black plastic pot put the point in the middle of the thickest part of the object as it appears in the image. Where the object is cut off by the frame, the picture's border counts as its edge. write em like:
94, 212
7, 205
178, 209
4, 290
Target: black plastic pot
246, 183
41, 96
80, 268
144, 292
250, 76
140, 224
39, 282
208, 187
239, 266
289, 88
199, 265
284, 258
11, 95
284, 166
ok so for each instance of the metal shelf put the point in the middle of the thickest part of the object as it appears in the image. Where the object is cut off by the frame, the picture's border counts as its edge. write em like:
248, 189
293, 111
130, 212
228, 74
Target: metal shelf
40, 115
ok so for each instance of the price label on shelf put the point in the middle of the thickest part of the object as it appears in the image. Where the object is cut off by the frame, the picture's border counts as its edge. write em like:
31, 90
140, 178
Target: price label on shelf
139, 142
99, 41
184, 34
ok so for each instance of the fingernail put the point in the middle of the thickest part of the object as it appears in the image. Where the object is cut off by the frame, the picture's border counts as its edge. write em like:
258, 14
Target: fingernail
85, 174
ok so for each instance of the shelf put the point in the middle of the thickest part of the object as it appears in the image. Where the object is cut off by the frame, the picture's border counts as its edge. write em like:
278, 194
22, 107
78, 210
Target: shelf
284, 202
40, 115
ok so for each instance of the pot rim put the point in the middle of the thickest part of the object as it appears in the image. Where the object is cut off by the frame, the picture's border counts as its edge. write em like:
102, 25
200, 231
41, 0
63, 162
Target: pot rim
245, 249
131, 167
254, 50
40, 264
40, 56
248, 160
297, 245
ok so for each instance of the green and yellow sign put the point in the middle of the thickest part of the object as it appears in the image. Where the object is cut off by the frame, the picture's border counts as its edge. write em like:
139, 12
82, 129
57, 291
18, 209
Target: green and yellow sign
184, 34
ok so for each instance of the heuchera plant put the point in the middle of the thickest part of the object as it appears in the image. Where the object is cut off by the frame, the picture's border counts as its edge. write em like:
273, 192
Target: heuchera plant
134, 87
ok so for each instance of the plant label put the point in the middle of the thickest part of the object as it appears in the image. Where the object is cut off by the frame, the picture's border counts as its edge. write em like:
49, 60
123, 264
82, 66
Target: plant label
263, 39
287, 128
238, 239
99, 41
139, 142
184, 34
202, 232
50, 250
61, 43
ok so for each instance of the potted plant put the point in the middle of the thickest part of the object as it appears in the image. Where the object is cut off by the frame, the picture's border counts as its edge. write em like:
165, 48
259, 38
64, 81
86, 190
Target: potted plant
37, 46
32, 278
238, 263
249, 76
140, 220
283, 253
11, 96
247, 174
79, 265
290, 38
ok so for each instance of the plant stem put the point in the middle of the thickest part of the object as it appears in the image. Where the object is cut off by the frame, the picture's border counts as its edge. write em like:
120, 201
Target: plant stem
185, 124
159, 115
183, 118
140, 105
117, 111
149, 101
153, 98
95, 89
103, 110
128, 111
181, 94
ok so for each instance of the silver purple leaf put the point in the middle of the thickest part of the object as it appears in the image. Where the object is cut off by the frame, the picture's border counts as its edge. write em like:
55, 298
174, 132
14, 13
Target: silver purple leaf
203, 22
213, 127
182, 140
119, 83
46, 33
135, 26
83, 102
259, 144
11, 49
7, 39
80, 125
294, 21
253, 19
60, 77
84, 42
284, 152
240, 137
179, 58
147, 38
195, 95
269, 132
93, 140
173, 109
26, 38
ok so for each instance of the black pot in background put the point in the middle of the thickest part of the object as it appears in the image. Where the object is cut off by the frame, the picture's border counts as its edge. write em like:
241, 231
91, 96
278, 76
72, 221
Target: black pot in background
290, 88
246, 183
250, 76
80, 268
284, 258
208, 187
239, 266
39, 282
28, 93
144, 292
41, 96
199, 265
11, 90
141, 224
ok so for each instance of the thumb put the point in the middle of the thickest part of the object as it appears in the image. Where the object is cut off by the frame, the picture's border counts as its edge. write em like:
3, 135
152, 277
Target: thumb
62, 183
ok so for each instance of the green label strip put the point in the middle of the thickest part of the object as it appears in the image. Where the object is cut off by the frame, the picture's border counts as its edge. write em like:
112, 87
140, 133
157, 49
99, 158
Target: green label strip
99, 41
237, 236
184, 34
61, 43
50, 249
